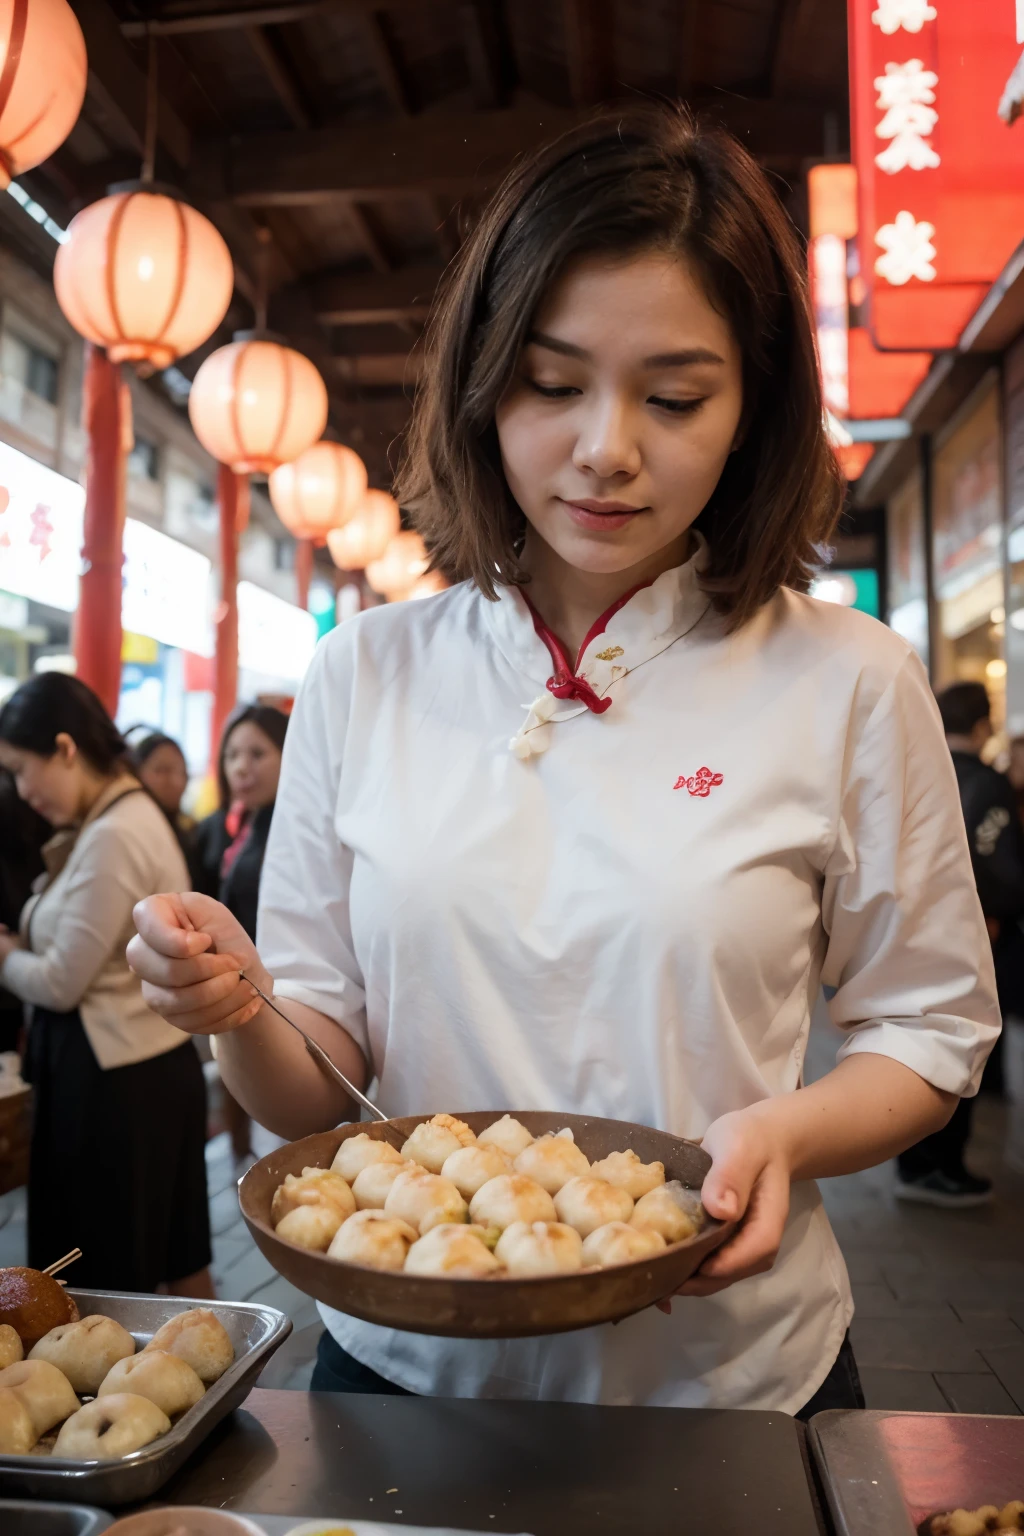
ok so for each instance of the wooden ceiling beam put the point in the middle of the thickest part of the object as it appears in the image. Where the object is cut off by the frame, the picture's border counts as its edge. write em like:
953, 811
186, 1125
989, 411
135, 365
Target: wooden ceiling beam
118, 83
281, 76
373, 298
188, 19
385, 63
480, 24
588, 50
380, 370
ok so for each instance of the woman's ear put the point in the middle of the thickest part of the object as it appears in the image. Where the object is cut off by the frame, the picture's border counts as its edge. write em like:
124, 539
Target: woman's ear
66, 748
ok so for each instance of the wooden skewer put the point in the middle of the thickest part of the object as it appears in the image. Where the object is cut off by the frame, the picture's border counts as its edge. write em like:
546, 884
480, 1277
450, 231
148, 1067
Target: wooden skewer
69, 1258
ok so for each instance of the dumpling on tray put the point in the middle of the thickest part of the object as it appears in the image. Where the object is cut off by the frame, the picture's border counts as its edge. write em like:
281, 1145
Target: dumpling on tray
199, 1337
670, 1209
85, 1350
373, 1185
587, 1204
552, 1161
358, 1152
424, 1200
167, 1380
530, 1248
508, 1135
628, 1172
44, 1390
110, 1427
313, 1186
17, 1431
470, 1168
454, 1250
508, 1198
433, 1142
619, 1243
373, 1239
311, 1226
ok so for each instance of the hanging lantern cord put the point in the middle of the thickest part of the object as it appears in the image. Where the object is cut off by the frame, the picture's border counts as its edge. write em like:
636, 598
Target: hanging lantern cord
152, 111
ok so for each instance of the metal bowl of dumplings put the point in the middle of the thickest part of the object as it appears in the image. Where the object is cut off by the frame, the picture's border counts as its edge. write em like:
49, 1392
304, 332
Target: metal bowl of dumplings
498, 1308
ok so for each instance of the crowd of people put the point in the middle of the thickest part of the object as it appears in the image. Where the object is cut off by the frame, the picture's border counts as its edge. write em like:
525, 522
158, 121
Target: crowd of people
91, 823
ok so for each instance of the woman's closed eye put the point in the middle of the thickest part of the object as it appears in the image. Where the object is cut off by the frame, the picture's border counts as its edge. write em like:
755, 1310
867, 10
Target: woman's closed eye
554, 391
678, 407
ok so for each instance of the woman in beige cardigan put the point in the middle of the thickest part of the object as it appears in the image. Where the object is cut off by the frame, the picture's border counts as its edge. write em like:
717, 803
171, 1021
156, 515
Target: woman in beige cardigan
120, 1107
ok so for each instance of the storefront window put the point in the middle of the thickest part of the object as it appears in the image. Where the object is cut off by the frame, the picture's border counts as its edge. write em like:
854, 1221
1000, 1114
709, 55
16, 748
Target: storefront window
907, 584
968, 550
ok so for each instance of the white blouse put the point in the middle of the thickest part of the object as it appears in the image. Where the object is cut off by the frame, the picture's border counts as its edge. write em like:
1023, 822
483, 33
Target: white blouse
633, 921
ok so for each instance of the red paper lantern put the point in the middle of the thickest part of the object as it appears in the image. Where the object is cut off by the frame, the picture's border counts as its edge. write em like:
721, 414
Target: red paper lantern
256, 404
42, 81
143, 275
366, 536
319, 490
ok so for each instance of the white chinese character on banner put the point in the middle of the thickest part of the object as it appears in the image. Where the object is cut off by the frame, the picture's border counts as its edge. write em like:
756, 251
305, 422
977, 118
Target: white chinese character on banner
908, 249
905, 95
911, 15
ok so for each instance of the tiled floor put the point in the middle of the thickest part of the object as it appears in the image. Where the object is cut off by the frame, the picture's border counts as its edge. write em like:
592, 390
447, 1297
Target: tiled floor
940, 1296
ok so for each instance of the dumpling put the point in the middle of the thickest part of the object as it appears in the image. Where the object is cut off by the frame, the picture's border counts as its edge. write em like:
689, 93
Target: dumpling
314, 1186
45, 1392
433, 1142
470, 1168
165, 1379
457, 1251
85, 1350
619, 1243
198, 1337
508, 1198
587, 1204
358, 1152
552, 1161
110, 1427
372, 1185
374, 1240
11, 1348
424, 1200
670, 1209
17, 1431
508, 1135
529, 1248
626, 1171
311, 1226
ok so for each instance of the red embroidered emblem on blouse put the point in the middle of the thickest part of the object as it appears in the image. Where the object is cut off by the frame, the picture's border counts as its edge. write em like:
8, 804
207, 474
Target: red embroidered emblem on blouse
700, 783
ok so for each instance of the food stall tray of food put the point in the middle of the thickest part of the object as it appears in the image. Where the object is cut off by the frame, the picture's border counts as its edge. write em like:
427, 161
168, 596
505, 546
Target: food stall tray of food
886, 1474
255, 1332
34, 1517
285, 1525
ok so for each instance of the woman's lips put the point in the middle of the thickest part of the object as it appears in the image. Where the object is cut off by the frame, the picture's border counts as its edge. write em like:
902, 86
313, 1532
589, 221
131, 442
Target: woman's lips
603, 516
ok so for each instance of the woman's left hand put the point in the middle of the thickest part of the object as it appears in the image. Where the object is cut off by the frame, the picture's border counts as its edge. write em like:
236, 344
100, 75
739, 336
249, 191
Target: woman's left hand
748, 1181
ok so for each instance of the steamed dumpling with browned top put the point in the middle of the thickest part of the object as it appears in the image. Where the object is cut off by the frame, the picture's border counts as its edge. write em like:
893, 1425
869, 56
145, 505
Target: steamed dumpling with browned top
457, 1251
552, 1161
374, 1240
508, 1135
313, 1186
358, 1152
373, 1185
670, 1209
587, 1204
626, 1171
433, 1142
311, 1226
424, 1199
508, 1198
619, 1243
470, 1168
531, 1248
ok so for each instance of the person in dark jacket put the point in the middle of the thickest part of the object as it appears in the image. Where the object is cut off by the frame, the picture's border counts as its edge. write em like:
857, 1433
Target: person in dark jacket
231, 843
933, 1172
22, 835
160, 767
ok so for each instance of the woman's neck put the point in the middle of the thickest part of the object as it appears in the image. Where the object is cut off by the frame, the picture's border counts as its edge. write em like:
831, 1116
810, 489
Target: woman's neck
569, 600
93, 786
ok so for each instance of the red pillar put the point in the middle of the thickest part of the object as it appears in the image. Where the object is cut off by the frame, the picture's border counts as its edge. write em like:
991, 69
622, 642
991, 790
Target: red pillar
233, 501
303, 571
97, 629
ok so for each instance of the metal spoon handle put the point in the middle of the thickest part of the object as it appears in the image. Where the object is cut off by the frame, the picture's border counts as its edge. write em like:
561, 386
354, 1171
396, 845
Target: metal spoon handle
319, 1055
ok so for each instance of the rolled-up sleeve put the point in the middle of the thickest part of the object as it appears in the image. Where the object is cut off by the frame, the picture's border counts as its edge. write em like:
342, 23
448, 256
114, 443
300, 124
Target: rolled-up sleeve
908, 951
303, 933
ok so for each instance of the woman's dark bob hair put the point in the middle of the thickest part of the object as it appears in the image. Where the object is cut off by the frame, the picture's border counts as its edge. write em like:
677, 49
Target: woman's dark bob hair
54, 704
272, 722
645, 179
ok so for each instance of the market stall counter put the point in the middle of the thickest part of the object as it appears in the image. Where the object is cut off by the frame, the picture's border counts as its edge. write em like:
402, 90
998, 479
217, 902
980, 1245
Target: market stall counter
551, 1469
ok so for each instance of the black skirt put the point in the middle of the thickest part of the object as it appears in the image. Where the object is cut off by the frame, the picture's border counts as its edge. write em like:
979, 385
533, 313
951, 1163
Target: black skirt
118, 1164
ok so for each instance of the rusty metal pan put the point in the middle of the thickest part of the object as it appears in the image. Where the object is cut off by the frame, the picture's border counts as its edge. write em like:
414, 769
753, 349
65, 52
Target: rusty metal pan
255, 1331
888, 1472
485, 1309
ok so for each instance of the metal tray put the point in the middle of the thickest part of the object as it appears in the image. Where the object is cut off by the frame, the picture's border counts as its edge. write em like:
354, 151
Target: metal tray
176, 1517
886, 1472
485, 1309
25, 1517
255, 1331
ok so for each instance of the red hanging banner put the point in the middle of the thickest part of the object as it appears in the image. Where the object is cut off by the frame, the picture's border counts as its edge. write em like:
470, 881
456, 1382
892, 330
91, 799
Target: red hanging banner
940, 175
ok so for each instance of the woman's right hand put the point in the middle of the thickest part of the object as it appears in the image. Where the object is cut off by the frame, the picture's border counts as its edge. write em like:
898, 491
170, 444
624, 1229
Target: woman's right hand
188, 953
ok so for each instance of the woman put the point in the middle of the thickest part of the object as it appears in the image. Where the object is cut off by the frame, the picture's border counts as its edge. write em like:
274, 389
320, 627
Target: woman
230, 844
160, 767
22, 835
117, 1161
722, 794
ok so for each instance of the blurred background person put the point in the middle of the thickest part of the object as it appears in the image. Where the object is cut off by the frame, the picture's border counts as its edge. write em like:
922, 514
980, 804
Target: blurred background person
934, 1172
159, 765
231, 843
22, 835
1015, 771
118, 1141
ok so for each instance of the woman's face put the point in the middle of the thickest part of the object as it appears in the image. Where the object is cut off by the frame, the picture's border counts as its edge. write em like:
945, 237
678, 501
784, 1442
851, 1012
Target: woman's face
165, 776
625, 407
56, 787
252, 766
